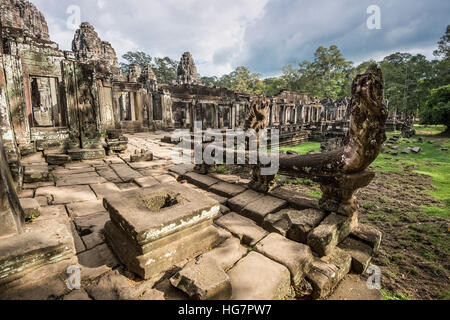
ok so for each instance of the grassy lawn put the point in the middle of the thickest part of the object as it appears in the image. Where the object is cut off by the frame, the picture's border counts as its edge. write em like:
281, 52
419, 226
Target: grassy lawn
304, 148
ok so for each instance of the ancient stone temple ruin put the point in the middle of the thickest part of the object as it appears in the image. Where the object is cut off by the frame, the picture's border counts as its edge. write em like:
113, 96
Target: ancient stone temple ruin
88, 180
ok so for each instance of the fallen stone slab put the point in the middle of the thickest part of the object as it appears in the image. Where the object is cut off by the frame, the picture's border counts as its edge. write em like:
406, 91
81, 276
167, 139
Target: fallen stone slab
73, 170
327, 272
200, 180
227, 190
361, 254
77, 295
79, 179
141, 156
26, 193
406, 150
256, 277
87, 225
143, 165
81, 209
302, 222
203, 280
113, 286
65, 195
220, 199
145, 182
295, 256
245, 229
86, 154
238, 202
165, 178
258, 210
367, 234
332, 230
127, 186
96, 262
416, 149
79, 244
104, 189
125, 172
58, 159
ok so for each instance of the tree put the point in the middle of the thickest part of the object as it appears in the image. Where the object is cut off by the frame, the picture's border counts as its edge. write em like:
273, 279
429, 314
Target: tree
443, 49
165, 70
436, 109
138, 57
209, 81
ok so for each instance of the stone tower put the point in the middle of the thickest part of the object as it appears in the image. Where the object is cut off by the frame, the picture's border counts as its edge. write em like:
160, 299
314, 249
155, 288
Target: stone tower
187, 72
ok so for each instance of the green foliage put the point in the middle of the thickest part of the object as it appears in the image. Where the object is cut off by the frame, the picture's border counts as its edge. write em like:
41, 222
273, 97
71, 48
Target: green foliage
436, 109
304, 148
165, 68
443, 49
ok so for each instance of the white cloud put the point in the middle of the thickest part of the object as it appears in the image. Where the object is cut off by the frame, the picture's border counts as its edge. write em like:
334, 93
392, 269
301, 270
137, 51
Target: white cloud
261, 34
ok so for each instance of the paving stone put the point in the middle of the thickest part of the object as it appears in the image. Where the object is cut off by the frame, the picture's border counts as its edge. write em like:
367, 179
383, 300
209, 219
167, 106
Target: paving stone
64, 195
200, 180
26, 193
245, 229
31, 207
328, 271
165, 178
302, 222
36, 185
258, 210
224, 210
42, 201
361, 254
110, 175
295, 199
113, 160
223, 233
143, 165
152, 294
79, 179
277, 222
127, 186
57, 212
238, 202
332, 230
222, 200
91, 223
367, 234
203, 279
96, 262
145, 182
94, 239
77, 165
125, 172
35, 173
181, 169
256, 277
227, 190
75, 170
104, 189
33, 158
295, 256
81, 209
226, 254
169, 291
49, 288
77, 295
354, 287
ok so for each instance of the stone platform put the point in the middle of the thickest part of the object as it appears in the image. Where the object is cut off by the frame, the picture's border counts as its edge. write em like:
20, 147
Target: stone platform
153, 228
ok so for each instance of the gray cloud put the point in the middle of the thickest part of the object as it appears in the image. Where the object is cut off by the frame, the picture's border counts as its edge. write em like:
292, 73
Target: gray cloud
261, 34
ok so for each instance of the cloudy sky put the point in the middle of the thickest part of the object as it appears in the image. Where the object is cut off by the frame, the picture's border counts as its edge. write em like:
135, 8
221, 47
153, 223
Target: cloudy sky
263, 35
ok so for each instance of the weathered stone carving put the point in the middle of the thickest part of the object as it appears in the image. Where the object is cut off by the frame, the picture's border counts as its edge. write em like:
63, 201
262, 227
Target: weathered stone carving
187, 71
25, 16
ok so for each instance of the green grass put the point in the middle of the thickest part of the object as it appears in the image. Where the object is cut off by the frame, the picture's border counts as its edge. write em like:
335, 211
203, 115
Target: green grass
429, 130
387, 295
304, 148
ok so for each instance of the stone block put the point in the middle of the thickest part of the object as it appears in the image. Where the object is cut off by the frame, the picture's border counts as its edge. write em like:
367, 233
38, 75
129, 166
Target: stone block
181, 169
104, 189
78, 179
226, 190
327, 272
361, 254
256, 277
302, 222
31, 208
245, 229
295, 256
277, 222
165, 178
258, 210
200, 180
86, 154
238, 202
332, 230
227, 253
203, 279
80, 209
65, 195
125, 172
367, 234
36, 173
295, 199
58, 159
146, 182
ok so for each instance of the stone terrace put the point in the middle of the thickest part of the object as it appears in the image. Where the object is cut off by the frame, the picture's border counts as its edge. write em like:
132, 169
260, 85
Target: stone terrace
261, 252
